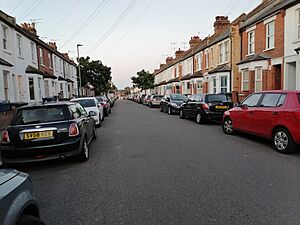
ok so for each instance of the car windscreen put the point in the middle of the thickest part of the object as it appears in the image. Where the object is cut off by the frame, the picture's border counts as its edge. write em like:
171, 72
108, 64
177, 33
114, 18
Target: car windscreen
86, 102
216, 98
157, 97
178, 97
40, 115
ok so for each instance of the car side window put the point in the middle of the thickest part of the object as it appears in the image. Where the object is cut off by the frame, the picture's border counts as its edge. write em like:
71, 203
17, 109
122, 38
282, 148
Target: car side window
252, 100
75, 111
270, 100
281, 100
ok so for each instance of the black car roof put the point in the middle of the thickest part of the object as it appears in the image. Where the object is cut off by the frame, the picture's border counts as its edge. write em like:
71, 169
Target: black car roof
33, 105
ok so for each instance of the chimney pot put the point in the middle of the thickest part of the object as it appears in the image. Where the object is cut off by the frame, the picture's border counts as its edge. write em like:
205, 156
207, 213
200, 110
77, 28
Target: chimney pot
221, 23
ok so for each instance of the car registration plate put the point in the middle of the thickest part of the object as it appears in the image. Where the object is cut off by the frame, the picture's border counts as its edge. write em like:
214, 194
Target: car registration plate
36, 135
221, 107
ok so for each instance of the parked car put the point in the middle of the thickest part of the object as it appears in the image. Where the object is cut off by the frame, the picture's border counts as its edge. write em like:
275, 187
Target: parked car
90, 104
155, 101
273, 115
104, 103
48, 131
146, 100
18, 204
141, 99
171, 103
205, 107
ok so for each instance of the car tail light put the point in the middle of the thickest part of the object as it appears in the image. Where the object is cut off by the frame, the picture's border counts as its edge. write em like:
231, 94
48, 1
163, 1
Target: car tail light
73, 130
5, 137
205, 106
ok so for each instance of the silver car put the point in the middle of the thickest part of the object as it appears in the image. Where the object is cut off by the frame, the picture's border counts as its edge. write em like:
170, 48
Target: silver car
18, 205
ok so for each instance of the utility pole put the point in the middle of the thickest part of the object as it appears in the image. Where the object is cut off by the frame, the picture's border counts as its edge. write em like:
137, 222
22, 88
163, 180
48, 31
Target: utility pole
79, 71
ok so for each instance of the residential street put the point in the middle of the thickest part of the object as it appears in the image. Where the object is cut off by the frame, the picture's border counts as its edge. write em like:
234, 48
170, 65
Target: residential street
149, 168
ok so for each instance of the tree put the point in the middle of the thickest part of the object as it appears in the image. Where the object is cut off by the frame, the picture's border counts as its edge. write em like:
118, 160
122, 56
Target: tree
144, 80
127, 90
96, 74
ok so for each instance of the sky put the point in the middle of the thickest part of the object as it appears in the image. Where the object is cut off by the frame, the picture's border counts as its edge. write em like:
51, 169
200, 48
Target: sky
126, 35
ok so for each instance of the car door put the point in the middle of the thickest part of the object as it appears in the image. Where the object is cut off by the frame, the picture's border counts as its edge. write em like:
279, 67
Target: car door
87, 122
195, 105
266, 115
188, 106
242, 115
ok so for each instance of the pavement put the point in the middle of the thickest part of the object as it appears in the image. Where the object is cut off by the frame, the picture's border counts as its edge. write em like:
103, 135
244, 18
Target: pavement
149, 168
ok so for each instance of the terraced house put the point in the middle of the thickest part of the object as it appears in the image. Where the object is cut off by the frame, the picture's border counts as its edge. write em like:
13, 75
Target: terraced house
30, 68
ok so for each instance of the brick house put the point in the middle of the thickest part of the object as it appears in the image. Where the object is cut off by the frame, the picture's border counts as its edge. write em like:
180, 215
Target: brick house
262, 33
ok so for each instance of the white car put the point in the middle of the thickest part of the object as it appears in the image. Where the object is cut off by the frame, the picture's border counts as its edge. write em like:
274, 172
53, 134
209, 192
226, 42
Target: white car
91, 104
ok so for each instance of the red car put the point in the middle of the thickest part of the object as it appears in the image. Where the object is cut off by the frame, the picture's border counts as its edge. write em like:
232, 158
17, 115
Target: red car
270, 114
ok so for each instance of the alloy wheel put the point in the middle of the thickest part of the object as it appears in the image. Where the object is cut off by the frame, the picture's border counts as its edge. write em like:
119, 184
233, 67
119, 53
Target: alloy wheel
281, 140
86, 149
199, 118
227, 126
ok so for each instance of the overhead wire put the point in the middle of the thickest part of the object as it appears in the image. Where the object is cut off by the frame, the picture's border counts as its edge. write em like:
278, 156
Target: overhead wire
112, 28
62, 19
130, 28
97, 10
31, 10
18, 4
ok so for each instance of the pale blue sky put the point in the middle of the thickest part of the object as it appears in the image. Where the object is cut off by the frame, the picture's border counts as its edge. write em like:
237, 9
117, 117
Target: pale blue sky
128, 35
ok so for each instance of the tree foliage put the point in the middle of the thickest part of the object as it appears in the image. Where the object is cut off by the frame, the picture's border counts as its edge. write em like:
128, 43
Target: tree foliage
144, 80
95, 73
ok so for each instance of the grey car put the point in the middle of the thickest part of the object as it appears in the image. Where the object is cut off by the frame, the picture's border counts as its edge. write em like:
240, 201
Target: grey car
18, 205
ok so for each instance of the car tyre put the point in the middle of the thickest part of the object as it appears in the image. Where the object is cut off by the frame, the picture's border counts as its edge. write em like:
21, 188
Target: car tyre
181, 114
199, 118
169, 110
30, 220
227, 126
84, 154
283, 141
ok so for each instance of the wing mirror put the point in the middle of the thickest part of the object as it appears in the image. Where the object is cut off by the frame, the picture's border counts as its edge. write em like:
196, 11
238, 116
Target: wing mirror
168, 99
92, 113
244, 106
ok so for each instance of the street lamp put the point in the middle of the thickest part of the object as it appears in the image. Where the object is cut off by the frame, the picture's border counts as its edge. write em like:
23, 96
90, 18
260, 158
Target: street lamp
79, 72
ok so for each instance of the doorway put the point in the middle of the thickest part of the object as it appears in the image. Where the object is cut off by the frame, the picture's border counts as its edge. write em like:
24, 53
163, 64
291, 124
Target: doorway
278, 77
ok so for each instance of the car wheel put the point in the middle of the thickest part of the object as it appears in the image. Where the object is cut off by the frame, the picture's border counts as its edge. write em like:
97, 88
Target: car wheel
199, 118
283, 141
181, 114
30, 220
169, 110
94, 133
84, 154
227, 126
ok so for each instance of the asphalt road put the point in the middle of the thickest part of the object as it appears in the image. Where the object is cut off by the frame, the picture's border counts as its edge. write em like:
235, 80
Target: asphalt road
147, 167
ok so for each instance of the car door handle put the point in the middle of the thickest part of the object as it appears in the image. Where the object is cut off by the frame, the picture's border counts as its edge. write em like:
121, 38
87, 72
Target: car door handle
275, 113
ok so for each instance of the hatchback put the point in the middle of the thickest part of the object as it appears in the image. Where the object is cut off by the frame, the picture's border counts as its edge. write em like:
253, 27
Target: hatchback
48, 131
272, 114
171, 103
205, 107
91, 104
155, 101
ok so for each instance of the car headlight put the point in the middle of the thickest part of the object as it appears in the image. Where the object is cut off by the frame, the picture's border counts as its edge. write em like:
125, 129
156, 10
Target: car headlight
174, 105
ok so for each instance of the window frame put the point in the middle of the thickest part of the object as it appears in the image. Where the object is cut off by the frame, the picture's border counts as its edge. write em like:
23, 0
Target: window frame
6, 84
245, 81
269, 36
19, 45
258, 80
31, 97
226, 51
221, 53
41, 51
4, 38
50, 60
251, 44
214, 85
32, 51
298, 24
224, 87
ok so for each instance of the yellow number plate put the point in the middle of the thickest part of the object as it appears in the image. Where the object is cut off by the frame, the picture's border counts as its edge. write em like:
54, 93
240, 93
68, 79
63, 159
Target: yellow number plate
221, 107
35, 135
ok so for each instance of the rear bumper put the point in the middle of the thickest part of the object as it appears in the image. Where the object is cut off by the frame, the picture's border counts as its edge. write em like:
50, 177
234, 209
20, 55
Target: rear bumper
216, 116
40, 153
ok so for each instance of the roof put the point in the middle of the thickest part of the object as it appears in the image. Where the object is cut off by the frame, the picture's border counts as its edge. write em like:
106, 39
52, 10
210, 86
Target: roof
5, 63
31, 69
255, 57
219, 69
265, 9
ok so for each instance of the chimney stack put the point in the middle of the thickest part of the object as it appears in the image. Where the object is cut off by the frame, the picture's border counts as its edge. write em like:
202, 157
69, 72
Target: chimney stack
194, 41
221, 23
169, 60
52, 45
161, 66
179, 53
30, 28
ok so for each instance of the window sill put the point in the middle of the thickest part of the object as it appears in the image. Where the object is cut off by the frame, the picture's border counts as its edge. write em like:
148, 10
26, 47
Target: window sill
269, 49
7, 52
296, 41
20, 57
250, 54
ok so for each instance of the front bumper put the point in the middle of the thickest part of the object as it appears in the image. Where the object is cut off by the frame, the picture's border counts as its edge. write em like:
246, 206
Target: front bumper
69, 148
175, 110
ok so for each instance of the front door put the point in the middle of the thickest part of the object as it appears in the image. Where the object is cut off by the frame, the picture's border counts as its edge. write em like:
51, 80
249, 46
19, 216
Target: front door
21, 88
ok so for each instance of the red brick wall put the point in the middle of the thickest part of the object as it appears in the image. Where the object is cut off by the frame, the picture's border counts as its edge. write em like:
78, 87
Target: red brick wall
260, 38
46, 66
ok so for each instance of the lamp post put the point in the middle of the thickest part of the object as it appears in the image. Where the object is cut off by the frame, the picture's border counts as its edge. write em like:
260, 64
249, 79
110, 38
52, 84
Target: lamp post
79, 71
